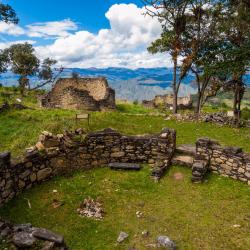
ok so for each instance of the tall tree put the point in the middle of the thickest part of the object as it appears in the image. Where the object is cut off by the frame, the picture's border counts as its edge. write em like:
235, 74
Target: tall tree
7, 14
24, 62
172, 15
201, 45
235, 55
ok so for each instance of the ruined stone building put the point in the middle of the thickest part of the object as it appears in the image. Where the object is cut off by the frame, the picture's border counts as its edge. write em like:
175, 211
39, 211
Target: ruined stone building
166, 101
93, 94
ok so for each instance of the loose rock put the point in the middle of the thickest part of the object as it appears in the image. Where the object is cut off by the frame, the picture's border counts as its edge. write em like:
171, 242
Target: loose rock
47, 235
164, 241
122, 236
23, 239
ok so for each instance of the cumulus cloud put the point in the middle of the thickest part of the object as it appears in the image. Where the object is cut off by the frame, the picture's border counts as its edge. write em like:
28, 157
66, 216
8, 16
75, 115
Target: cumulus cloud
123, 45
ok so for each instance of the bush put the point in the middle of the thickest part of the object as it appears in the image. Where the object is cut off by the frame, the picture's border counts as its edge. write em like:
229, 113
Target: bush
245, 114
135, 102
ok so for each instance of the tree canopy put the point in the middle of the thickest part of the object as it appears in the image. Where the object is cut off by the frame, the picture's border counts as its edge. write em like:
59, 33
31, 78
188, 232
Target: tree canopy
8, 14
23, 61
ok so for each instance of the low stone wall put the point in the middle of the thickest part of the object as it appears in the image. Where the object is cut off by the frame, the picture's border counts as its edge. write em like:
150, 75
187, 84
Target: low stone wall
227, 161
54, 155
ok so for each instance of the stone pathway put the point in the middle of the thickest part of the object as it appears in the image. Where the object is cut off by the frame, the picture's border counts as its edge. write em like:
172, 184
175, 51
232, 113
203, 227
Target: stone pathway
184, 155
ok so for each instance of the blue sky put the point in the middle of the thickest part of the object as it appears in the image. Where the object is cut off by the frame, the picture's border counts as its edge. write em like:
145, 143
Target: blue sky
90, 14
80, 33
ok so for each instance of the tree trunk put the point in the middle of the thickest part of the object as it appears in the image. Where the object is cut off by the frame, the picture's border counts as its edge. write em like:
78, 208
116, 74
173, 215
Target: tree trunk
175, 91
23, 82
198, 106
237, 104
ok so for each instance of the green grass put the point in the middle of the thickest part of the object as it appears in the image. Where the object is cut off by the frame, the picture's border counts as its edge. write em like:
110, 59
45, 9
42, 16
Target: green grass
20, 129
10, 94
195, 216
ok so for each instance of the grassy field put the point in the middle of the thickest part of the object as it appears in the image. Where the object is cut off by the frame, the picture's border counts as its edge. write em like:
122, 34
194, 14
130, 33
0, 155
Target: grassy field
20, 129
195, 216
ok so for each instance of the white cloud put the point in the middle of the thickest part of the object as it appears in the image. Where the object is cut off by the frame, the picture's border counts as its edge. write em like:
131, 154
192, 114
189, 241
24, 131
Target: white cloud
54, 30
123, 45
11, 29
51, 29
8, 44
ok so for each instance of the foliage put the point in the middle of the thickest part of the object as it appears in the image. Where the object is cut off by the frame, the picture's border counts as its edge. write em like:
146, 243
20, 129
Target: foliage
7, 14
172, 16
24, 62
245, 114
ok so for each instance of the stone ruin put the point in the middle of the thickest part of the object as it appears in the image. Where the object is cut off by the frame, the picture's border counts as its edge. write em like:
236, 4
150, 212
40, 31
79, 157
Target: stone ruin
218, 118
64, 153
93, 94
166, 101
59, 154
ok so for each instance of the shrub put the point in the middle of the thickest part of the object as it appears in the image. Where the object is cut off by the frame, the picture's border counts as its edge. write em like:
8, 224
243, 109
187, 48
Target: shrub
245, 113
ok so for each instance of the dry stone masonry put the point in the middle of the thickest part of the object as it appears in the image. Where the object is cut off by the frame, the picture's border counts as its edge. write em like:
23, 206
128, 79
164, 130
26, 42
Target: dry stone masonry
54, 155
227, 161
80, 93
166, 101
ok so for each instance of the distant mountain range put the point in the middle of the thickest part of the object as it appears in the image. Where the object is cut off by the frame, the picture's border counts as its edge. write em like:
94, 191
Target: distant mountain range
138, 84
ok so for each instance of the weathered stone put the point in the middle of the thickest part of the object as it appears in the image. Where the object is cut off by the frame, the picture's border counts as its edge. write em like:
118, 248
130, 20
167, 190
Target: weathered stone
164, 241
122, 236
22, 227
5, 232
85, 94
47, 235
40, 146
2, 183
124, 166
48, 245
21, 184
23, 239
25, 174
33, 177
183, 160
117, 154
44, 174
186, 149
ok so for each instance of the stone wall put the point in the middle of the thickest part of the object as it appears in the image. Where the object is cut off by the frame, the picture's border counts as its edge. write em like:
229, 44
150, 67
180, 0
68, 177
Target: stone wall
81, 93
167, 102
227, 161
54, 155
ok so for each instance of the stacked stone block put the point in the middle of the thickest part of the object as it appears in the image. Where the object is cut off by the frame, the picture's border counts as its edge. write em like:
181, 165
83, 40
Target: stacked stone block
227, 161
59, 154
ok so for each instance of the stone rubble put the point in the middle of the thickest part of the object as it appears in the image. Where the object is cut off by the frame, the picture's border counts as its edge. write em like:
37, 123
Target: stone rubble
219, 118
91, 209
26, 236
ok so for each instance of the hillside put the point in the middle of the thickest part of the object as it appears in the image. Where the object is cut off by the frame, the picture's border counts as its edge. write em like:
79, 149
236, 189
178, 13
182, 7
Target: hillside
138, 84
